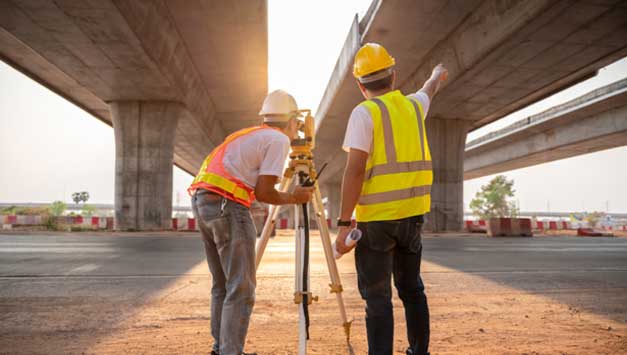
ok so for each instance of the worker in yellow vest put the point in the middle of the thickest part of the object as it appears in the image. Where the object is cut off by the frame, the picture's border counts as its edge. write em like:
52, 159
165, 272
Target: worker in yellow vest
245, 167
387, 181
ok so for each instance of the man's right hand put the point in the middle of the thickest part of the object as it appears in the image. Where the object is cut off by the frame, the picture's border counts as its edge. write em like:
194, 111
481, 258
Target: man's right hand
440, 72
302, 194
438, 76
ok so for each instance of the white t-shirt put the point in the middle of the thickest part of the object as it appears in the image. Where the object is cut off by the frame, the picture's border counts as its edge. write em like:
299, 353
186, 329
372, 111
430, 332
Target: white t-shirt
261, 152
359, 132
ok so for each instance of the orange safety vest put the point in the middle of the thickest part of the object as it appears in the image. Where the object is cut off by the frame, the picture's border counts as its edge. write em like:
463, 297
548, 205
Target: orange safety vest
213, 176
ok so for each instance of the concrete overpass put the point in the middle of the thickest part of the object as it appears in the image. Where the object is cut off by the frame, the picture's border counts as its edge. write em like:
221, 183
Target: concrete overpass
592, 122
502, 56
171, 77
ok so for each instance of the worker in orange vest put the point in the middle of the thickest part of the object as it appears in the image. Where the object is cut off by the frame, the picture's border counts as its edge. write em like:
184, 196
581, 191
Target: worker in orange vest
245, 167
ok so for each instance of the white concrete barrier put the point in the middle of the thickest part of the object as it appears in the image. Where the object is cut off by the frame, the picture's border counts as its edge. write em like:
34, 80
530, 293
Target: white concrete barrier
184, 224
95, 222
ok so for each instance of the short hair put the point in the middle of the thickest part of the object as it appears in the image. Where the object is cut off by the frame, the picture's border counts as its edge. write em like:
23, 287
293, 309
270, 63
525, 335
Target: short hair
277, 124
383, 83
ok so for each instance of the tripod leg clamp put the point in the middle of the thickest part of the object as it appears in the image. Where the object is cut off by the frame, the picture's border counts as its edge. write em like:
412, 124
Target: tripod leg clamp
336, 288
298, 297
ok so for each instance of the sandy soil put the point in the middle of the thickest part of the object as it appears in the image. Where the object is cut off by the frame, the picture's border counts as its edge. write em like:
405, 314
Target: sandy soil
469, 315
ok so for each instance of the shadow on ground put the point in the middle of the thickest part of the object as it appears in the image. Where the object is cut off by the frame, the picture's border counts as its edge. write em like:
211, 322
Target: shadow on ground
588, 274
75, 290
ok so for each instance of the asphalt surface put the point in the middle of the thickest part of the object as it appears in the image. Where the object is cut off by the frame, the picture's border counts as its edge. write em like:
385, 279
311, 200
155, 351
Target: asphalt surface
41, 255
136, 266
75, 291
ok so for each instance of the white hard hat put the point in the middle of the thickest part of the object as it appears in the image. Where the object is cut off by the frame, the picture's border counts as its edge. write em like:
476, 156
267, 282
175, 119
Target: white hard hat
278, 106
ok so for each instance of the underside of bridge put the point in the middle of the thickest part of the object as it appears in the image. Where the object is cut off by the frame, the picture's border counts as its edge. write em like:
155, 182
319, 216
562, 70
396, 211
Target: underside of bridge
590, 123
171, 77
174, 77
501, 56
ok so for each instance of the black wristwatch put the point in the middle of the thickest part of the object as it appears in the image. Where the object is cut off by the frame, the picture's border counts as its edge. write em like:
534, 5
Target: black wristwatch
341, 223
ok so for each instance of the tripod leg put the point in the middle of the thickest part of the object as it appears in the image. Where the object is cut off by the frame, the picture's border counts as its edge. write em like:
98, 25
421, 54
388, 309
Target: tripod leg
268, 227
336, 284
299, 281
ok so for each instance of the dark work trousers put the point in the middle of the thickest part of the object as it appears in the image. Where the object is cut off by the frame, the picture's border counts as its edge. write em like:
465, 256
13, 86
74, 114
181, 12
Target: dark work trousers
386, 248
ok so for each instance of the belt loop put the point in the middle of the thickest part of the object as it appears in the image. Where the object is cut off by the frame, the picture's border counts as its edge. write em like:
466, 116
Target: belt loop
222, 205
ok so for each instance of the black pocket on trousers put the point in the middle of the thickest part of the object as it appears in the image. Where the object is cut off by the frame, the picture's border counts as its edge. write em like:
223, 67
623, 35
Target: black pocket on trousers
416, 239
380, 236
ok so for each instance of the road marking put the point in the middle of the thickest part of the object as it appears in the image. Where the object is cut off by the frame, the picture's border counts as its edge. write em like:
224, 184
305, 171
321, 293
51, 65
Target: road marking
554, 249
57, 249
49, 244
84, 268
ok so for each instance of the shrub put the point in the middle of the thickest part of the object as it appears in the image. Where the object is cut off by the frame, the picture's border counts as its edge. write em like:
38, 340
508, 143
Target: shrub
492, 200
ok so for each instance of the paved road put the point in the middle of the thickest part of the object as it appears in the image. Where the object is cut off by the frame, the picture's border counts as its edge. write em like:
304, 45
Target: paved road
73, 292
558, 266
159, 255
101, 255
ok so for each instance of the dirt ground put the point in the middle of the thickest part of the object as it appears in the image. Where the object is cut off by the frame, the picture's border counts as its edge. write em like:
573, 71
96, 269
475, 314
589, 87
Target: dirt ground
469, 315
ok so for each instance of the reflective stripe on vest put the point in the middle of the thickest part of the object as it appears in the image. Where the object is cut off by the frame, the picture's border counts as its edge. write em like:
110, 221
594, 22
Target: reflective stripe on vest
224, 184
399, 175
214, 177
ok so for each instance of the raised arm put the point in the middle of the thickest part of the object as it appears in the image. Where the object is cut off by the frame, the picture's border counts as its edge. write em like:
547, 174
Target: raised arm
432, 85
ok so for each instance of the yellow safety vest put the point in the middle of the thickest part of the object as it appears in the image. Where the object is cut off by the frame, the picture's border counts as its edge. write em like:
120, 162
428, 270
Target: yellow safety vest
399, 174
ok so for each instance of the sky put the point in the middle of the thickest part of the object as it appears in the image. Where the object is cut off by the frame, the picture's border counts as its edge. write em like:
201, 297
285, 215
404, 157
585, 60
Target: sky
49, 148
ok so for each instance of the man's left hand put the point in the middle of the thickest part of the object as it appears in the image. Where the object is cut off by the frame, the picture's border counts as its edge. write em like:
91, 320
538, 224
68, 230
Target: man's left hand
340, 240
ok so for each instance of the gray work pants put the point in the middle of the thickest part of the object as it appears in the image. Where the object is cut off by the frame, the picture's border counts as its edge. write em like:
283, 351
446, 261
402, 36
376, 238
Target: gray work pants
229, 235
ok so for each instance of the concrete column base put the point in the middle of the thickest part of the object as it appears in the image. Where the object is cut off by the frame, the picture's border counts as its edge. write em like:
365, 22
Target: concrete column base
447, 141
144, 145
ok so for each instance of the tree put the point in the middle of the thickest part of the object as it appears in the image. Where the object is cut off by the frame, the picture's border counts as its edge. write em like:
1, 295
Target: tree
57, 208
593, 218
492, 200
78, 197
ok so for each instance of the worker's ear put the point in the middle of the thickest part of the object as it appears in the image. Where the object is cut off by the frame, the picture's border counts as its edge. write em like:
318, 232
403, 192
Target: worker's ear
393, 79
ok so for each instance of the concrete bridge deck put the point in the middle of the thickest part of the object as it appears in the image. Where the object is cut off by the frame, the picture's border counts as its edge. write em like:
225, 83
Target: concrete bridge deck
171, 77
592, 122
502, 56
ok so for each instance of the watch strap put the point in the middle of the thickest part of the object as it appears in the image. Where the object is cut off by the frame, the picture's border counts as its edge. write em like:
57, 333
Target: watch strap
341, 223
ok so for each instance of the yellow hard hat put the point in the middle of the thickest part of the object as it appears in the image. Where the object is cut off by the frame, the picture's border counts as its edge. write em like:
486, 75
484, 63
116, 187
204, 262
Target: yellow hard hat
370, 58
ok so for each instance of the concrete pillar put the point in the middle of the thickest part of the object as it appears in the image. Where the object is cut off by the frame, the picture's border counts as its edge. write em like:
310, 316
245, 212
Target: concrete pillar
144, 144
447, 140
333, 193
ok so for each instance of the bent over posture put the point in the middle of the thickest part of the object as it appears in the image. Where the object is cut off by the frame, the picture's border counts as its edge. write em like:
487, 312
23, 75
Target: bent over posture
245, 167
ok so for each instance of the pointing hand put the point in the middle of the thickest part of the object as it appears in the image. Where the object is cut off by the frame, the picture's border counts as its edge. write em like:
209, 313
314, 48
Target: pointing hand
440, 72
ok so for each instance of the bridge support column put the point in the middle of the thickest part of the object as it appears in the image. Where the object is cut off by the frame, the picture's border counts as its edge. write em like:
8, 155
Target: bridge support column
144, 153
333, 193
447, 139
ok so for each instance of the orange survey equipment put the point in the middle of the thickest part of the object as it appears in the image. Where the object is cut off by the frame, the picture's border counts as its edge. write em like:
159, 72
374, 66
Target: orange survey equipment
214, 177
